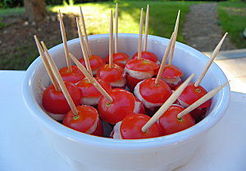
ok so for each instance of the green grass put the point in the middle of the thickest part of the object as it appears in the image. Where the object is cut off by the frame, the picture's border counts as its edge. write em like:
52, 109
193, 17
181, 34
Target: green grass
11, 11
232, 17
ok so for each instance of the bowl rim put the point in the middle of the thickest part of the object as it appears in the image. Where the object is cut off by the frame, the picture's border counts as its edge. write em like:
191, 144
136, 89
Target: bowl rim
68, 133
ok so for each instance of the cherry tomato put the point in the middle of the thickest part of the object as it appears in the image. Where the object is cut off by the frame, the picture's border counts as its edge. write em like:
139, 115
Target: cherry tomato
111, 74
131, 82
170, 124
72, 76
99, 130
172, 76
192, 94
54, 101
96, 62
131, 127
147, 55
119, 59
142, 65
86, 121
122, 105
154, 93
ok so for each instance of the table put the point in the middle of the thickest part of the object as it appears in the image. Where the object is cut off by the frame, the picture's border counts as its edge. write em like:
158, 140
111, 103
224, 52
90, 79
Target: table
24, 148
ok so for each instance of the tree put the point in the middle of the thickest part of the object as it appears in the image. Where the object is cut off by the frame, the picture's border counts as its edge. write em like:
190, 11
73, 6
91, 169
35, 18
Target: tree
35, 9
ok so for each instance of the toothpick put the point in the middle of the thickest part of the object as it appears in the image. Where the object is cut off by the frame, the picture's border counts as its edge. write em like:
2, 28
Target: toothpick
111, 40
58, 77
82, 19
83, 48
214, 54
64, 39
175, 38
140, 35
164, 58
146, 32
200, 101
46, 64
91, 78
116, 29
167, 104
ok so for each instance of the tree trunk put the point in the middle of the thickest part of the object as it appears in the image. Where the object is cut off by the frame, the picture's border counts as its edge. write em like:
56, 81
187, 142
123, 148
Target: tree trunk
35, 9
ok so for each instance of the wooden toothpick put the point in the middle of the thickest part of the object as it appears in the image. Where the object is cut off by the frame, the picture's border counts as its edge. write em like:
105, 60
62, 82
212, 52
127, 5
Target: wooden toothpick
214, 54
83, 48
64, 39
116, 29
91, 78
146, 32
175, 38
111, 40
46, 64
200, 101
58, 77
82, 19
140, 35
164, 58
167, 104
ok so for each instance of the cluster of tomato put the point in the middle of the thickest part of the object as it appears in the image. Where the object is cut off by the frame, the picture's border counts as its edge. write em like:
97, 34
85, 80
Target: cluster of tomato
131, 83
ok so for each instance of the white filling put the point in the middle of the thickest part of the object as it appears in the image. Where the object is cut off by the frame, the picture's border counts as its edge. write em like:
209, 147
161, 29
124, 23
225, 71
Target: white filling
57, 117
173, 81
147, 104
116, 131
89, 100
93, 128
137, 107
120, 83
139, 75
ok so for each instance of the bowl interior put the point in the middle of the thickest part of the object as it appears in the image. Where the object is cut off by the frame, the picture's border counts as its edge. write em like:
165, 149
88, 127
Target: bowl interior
185, 57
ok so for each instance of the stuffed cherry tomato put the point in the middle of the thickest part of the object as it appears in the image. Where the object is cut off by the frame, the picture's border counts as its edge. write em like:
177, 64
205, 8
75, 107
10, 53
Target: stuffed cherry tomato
90, 95
148, 55
73, 76
170, 124
112, 75
55, 103
152, 94
96, 62
131, 128
85, 121
192, 94
123, 103
138, 70
172, 76
119, 59
99, 130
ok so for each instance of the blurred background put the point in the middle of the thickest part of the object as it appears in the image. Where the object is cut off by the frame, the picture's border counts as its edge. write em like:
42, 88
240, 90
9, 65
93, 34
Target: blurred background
202, 23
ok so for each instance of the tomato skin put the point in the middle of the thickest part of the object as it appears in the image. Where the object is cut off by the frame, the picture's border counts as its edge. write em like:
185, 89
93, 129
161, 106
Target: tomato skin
147, 55
87, 89
142, 65
192, 94
122, 105
131, 127
54, 101
171, 71
154, 93
119, 59
110, 74
99, 130
74, 76
131, 82
86, 118
170, 124
95, 62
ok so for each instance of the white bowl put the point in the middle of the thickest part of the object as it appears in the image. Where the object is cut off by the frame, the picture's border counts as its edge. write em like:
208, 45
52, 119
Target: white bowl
86, 152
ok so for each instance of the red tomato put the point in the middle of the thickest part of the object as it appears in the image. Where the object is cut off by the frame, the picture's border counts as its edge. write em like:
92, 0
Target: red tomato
87, 89
192, 94
131, 82
142, 65
120, 59
147, 55
99, 131
171, 71
110, 74
154, 93
131, 127
170, 124
122, 105
142, 108
54, 101
96, 62
85, 120
72, 76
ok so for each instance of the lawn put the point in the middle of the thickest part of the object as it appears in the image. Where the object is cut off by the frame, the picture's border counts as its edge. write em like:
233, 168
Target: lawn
232, 17
162, 19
